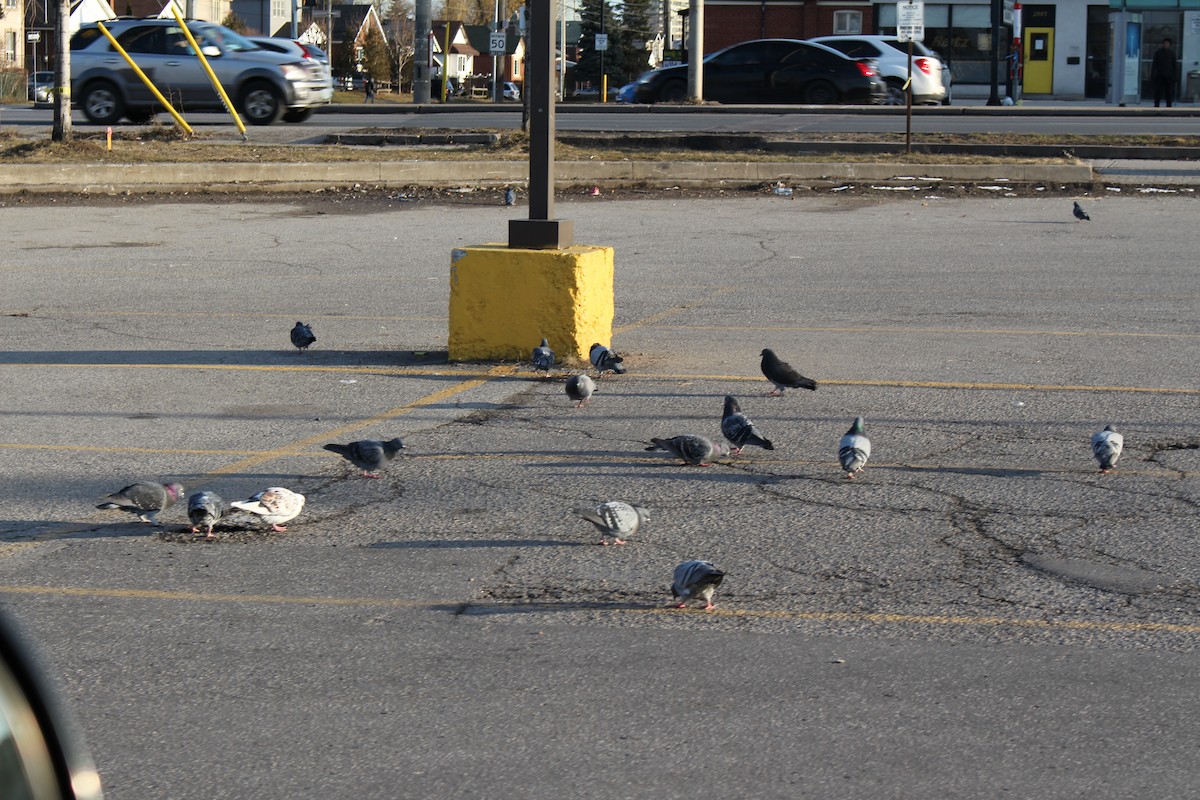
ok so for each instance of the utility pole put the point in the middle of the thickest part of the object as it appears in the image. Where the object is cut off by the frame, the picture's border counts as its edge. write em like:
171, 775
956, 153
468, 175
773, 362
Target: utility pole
421, 89
61, 131
997, 11
695, 45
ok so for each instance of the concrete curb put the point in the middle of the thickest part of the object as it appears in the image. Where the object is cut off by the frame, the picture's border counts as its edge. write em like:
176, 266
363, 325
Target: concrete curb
243, 177
897, 111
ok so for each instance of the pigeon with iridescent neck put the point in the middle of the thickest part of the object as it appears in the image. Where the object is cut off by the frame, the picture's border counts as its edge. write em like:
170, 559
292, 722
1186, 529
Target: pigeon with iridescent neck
739, 430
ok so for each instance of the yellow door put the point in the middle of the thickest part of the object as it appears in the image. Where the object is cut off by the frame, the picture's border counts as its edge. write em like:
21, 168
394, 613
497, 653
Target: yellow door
1039, 60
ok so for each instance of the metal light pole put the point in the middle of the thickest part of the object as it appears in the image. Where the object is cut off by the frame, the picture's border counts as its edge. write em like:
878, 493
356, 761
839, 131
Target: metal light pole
541, 231
421, 89
997, 11
61, 131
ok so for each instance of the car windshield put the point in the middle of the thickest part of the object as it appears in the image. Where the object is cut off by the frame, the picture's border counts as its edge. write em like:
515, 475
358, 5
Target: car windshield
222, 37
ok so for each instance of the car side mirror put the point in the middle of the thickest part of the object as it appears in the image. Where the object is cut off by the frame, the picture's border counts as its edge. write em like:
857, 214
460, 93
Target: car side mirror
39, 755
210, 50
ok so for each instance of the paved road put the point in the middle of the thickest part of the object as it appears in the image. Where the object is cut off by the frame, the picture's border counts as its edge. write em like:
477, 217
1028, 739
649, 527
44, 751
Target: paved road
980, 612
625, 119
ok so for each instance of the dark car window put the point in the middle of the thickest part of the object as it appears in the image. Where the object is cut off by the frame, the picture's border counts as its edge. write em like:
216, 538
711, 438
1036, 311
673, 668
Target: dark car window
84, 37
754, 53
918, 48
812, 58
855, 48
144, 40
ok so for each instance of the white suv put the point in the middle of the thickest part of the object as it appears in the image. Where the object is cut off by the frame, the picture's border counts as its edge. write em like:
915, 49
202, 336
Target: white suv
930, 75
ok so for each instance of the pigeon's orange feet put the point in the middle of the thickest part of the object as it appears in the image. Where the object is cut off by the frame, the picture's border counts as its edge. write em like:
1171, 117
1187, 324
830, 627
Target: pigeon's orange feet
709, 607
682, 605
279, 528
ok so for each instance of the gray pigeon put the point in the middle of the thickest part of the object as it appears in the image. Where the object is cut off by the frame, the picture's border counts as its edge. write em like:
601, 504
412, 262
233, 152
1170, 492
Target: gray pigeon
205, 509
543, 356
369, 455
696, 579
738, 428
615, 519
1080, 214
694, 450
782, 375
1107, 446
510, 196
274, 506
143, 499
854, 449
302, 336
579, 388
605, 360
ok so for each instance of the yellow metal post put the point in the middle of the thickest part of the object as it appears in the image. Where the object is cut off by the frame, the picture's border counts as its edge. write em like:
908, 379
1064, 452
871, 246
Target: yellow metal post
212, 76
603, 88
138, 71
446, 63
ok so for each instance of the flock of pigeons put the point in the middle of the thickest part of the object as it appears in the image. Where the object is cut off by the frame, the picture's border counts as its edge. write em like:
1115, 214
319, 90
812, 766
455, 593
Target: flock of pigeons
695, 579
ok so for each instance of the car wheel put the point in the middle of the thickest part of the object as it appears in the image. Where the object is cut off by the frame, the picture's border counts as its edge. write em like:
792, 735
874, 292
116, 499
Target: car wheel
140, 117
102, 103
261, 103
819, 93
297, 114
895, 93
673, 92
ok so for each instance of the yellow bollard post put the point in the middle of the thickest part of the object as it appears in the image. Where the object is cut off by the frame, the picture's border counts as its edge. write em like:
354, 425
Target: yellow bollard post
149, 84
108, 136
212, 76
603, 88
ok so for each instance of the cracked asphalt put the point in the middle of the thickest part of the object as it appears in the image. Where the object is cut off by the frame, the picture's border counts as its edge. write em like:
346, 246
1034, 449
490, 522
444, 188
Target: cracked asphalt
979, 611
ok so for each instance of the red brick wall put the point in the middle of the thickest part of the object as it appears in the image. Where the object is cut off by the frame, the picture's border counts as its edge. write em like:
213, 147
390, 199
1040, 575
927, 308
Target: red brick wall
726, 24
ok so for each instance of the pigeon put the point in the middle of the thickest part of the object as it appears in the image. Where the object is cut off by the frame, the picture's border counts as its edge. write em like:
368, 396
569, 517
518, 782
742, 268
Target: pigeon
1080, 214
369, 455
579, 388
543, 356
738, 428
694, 450
696, 579
615, 519
1107, 446
205, 509
302, 336
510, 196
854, 449
274, 506
143, 499
605, 360
782, 375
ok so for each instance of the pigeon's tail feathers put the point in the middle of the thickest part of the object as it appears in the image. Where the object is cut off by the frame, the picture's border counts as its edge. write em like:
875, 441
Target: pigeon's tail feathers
806, 383
755, 439
615, 366
342, 450
590, 515
658, 444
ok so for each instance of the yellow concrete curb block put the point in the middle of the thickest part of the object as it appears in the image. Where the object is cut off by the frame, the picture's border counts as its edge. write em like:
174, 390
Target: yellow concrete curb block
504, 300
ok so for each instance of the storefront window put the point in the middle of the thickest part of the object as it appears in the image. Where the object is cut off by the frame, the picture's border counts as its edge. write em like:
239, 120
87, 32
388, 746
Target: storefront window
962, 34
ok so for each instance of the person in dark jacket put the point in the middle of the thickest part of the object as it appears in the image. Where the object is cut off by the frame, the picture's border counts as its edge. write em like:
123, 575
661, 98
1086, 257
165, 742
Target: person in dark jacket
1163, 71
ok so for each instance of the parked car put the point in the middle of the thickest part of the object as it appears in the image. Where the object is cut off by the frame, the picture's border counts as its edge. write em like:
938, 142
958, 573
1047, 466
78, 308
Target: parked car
770, 71
300, 50
39, 87
263, 85
929, 73
510, 91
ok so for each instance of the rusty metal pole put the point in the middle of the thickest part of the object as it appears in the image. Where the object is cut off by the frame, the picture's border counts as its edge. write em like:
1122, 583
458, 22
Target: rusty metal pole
541, 231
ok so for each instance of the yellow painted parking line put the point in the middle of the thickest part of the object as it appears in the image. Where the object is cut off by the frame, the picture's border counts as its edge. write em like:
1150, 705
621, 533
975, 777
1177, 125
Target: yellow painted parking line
55, 314
418, 372
861, 330
399, 411
654, 319
834, 617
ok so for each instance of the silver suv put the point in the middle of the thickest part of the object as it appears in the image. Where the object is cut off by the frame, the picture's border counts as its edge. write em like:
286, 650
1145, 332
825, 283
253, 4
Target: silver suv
263, 85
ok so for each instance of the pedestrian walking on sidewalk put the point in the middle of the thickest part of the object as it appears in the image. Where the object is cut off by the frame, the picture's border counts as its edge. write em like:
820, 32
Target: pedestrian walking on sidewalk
369, 89
1164, 70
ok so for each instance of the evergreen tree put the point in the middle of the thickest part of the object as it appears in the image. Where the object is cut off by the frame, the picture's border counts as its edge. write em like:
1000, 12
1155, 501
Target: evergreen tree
597, 16
375, 59
635, 35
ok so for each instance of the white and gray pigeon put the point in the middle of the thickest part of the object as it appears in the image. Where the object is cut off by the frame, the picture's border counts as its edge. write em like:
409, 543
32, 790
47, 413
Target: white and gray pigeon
694, 450
543, 356
615, 519
205, 509
781, 374
696, 579
274, 506
579, 388
738, 429
605, 360
854, 449
1107, 446
143, 499
369, 455
302, 336
1080, 214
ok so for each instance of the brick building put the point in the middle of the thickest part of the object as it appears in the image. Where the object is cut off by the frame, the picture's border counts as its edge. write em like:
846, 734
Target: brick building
728, 22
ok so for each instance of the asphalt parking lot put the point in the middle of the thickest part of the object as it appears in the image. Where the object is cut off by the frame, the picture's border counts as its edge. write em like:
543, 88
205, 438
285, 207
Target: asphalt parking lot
980, 610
